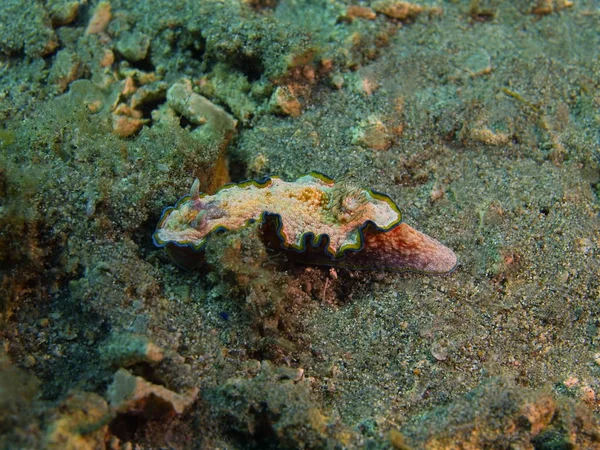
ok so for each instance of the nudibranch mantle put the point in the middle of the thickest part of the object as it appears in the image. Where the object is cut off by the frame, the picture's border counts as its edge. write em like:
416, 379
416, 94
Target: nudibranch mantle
312, 204
329, 223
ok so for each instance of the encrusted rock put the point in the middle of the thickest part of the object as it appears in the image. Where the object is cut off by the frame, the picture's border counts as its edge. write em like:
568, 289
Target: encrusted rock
62, 12
127, 121
130, 393
544, 7
372, 133
283, 101
81, 424
488, 137
398, 9
149, 93
359, 11
281, 406
85, 93
133, 45
197, 108
230, 87
100, 19
67, 67
126, 349
538, 414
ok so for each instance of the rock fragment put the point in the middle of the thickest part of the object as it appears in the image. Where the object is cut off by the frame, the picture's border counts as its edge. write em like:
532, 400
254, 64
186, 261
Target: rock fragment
67, 67
126, 349
126, 121
87, 94
398, 9
133, 46
197, 108
545, 7
61, 12
130, 393
100, 19
283, 101
372, 133
359, 11
149, 93
488, 137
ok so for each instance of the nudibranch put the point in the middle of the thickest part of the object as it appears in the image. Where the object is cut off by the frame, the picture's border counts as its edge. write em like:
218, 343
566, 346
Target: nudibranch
328, 223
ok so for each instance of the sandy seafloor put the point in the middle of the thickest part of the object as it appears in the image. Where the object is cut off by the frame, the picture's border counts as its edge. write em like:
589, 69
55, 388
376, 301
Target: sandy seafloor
480, 119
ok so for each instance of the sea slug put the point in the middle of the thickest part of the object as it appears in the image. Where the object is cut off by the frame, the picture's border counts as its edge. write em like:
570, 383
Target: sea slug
314, 218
